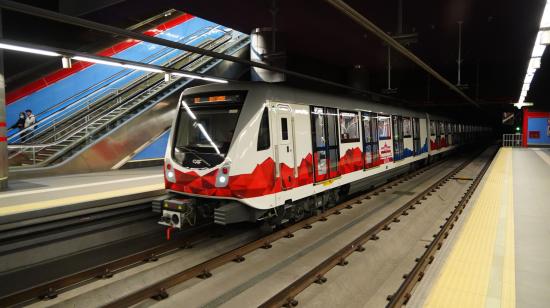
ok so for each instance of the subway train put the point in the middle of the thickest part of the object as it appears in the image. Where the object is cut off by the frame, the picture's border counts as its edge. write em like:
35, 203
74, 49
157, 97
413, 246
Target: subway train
256, 152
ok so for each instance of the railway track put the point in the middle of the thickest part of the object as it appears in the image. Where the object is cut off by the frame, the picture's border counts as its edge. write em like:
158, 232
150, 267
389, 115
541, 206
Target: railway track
51, 289
287, 296
204, 270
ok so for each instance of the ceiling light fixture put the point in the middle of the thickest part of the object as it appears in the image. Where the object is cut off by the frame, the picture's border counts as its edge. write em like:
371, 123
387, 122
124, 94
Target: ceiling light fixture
199, 77
536, 55
29, 50
98, 61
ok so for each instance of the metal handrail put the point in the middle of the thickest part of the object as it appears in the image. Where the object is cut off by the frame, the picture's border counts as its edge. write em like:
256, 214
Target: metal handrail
111, 79
512, 140
197, 63
92, 121
133, 84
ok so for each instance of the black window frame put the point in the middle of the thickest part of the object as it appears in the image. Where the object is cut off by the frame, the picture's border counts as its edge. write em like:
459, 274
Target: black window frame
389, 137
371, 143
349, 140
411, 127
264, 134
284, 129
327, 148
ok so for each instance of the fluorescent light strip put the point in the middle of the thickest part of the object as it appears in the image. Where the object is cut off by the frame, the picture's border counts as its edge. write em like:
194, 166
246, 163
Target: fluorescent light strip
114, 63
534, 62
98, 61
143, 68
200, 77
29, 50
208, 138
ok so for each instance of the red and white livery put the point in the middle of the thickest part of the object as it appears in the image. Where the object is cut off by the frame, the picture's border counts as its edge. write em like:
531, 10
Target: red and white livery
263, 152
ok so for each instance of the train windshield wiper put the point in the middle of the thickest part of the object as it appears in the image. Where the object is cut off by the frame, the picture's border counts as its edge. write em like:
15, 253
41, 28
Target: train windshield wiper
187, 149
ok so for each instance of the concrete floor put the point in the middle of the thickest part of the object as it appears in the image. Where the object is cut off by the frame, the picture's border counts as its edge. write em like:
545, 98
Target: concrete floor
532, 226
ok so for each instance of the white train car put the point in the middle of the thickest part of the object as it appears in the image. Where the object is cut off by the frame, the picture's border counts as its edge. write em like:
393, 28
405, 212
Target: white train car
263, 152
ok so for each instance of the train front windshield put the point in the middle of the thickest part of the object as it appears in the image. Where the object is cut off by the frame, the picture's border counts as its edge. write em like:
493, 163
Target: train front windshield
205, 129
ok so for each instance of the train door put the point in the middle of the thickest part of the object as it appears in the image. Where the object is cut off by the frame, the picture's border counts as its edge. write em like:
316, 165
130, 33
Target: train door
397, 128
370, 140
416, 135
326, 154
385, 138
285, 145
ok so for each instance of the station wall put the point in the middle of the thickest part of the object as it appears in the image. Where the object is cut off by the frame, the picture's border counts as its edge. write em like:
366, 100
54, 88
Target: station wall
536, 128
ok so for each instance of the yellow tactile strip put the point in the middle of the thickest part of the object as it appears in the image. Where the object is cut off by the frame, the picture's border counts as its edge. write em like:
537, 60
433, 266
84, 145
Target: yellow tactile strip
469, 271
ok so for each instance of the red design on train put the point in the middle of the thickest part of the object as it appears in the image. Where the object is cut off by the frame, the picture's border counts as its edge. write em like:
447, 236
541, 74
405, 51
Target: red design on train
351, 161
261, 181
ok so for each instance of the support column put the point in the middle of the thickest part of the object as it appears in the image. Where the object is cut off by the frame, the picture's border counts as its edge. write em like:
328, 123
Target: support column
267, 47
3, 128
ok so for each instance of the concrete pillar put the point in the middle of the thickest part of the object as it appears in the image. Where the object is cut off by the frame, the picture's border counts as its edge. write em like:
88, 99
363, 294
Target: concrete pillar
3, 128
266, 49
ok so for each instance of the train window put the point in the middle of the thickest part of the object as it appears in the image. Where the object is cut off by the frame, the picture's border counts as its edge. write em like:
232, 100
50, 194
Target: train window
432, 128
407, 128
416, 135
398, 146
284, 128
370, 139
349, 127
263, 133
384, 128
319, 123
324, 128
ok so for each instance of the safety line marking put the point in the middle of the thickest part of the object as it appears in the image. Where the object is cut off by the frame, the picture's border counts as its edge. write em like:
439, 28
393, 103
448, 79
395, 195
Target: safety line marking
475, 260
40, 205
38, 191
508, 293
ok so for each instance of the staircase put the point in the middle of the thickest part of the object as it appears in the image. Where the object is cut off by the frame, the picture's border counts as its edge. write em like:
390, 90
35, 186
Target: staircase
95, 119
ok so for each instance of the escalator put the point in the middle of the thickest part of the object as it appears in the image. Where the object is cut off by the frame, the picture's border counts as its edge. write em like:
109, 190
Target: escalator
99, 134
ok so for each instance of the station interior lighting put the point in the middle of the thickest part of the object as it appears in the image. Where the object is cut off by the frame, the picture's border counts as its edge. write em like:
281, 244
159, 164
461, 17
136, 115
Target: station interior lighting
29, 50
119, 63
536, 55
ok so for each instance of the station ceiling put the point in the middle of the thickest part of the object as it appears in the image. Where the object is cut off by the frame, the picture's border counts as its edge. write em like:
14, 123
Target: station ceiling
498, 36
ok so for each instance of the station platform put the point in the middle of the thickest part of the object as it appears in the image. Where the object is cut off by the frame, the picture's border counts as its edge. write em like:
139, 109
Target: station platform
36, 197
499, 256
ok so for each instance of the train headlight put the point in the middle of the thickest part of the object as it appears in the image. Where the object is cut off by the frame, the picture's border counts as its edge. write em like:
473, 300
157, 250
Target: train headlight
222, 178
170, 175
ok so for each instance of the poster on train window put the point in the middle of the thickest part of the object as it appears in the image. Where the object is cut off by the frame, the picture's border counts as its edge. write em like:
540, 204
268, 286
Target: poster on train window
407, 127
384, 128
386, 151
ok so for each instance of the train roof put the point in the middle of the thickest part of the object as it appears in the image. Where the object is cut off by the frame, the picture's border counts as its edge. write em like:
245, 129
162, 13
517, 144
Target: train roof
300, 96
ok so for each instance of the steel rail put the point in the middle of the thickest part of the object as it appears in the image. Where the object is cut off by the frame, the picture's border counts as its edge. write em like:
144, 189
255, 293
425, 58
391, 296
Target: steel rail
58, 17
51, 289
403, 294
204, 270
370, 26
286, 297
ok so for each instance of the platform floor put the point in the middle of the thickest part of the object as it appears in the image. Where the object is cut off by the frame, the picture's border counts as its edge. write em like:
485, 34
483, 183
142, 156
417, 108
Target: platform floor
499, 255
38, 194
